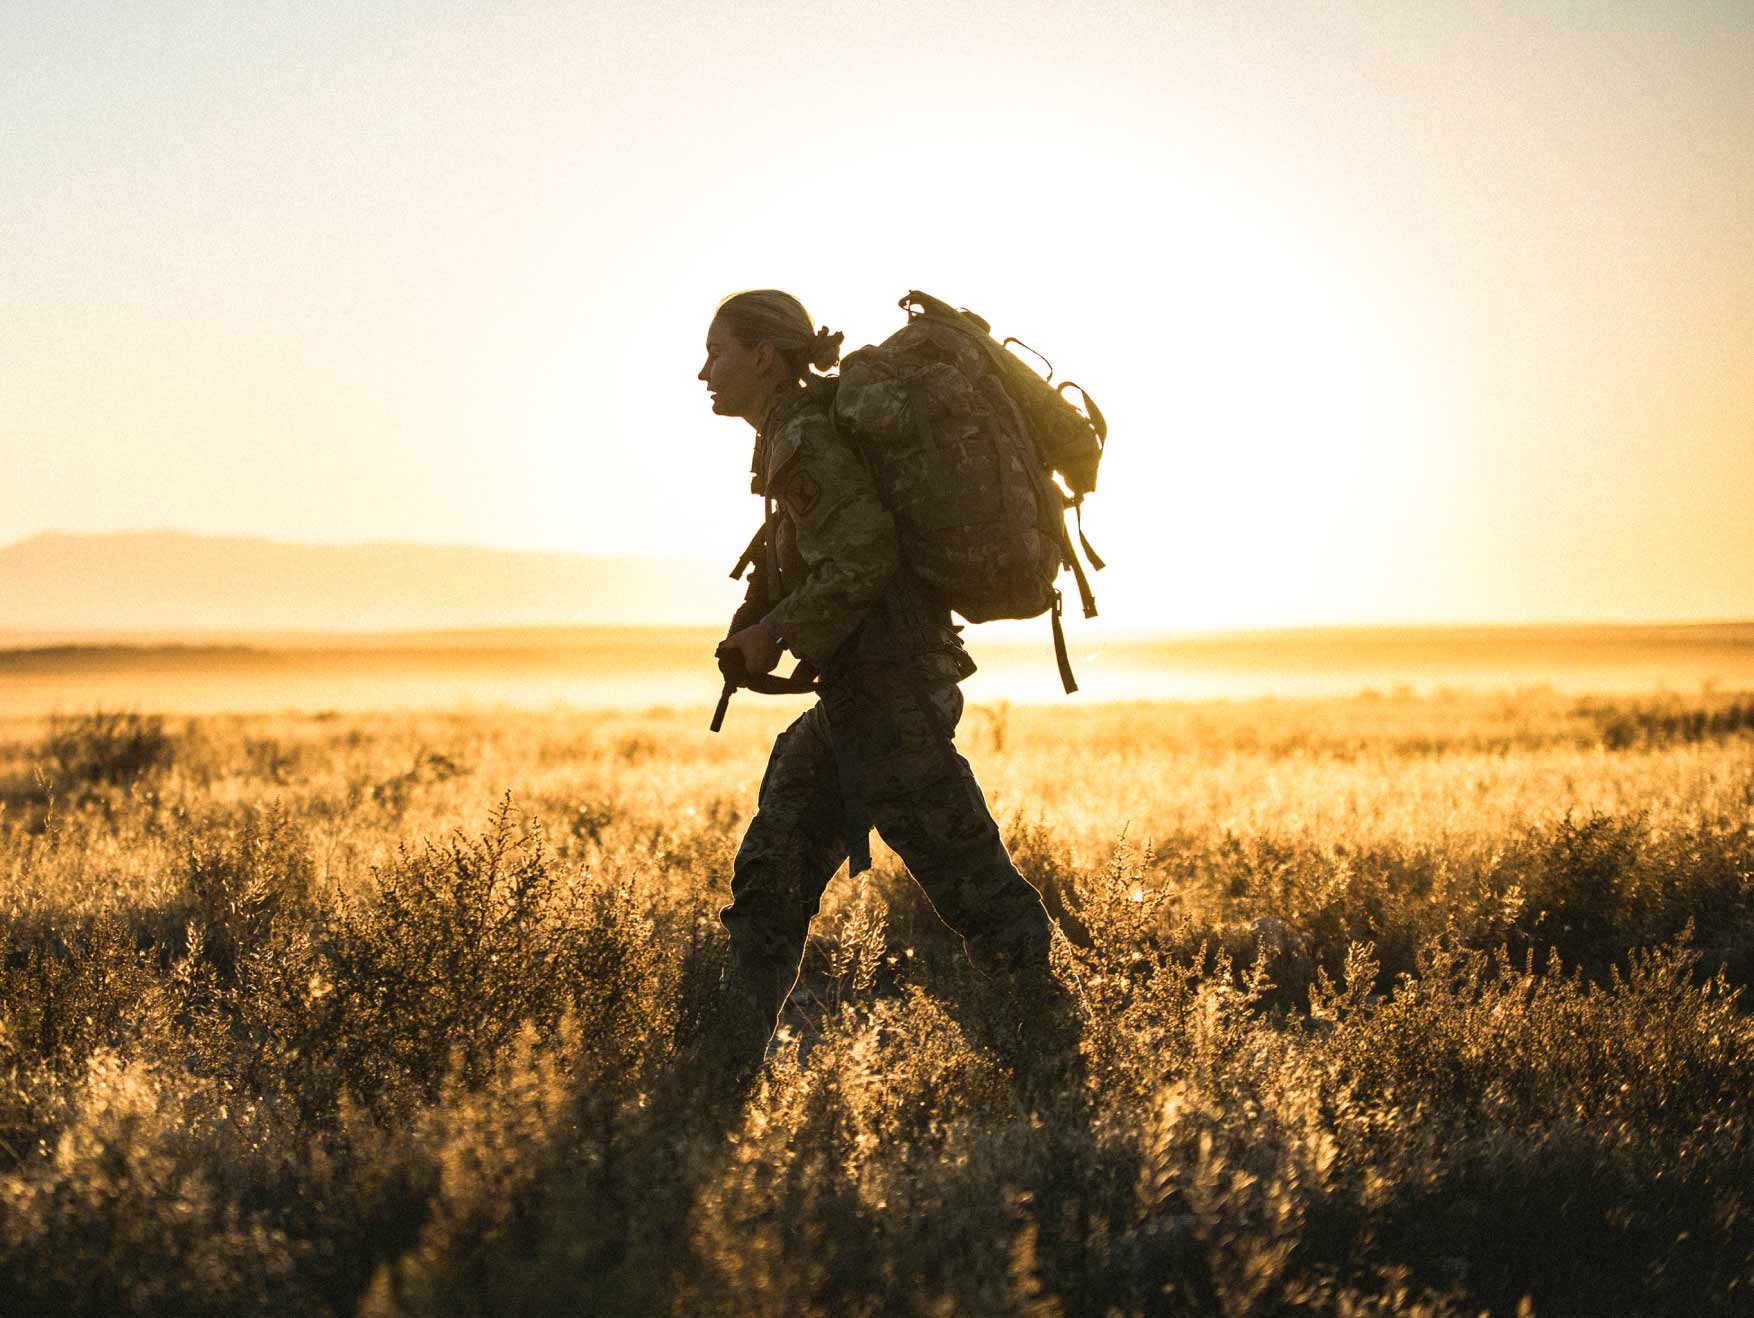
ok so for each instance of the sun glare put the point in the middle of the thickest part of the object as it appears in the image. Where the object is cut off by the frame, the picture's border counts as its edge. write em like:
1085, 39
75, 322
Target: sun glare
1246, 390
1251, 397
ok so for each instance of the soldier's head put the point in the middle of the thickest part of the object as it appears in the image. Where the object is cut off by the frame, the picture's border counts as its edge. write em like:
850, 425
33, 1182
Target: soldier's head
760, 343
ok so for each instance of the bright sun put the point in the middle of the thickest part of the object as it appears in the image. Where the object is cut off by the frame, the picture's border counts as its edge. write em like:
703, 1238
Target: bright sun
1250, 399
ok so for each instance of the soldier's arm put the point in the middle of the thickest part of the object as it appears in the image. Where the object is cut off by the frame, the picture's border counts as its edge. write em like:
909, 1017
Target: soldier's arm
847, 539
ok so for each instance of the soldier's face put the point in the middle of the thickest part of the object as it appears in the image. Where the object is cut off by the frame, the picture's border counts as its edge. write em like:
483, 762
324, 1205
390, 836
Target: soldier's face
738, 376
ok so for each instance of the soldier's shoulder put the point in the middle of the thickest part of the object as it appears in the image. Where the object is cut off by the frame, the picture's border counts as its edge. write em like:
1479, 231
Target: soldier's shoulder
807, 428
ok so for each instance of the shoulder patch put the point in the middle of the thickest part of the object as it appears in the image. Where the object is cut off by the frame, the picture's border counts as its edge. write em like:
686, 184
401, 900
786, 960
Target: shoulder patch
801, 494
782, 447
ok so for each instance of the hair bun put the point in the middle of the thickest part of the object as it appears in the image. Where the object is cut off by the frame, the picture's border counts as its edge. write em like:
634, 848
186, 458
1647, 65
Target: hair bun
825, 348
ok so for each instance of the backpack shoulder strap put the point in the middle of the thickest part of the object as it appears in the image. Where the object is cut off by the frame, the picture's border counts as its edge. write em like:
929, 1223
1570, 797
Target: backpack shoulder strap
749, 554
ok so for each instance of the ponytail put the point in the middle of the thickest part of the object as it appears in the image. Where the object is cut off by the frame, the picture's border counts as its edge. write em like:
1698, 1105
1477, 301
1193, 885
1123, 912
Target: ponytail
766, 315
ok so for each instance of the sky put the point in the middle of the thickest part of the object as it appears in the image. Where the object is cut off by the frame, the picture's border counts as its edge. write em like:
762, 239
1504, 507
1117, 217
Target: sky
1398, 312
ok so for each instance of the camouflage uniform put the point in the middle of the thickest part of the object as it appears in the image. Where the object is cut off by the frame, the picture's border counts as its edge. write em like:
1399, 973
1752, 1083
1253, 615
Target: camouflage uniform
830, 586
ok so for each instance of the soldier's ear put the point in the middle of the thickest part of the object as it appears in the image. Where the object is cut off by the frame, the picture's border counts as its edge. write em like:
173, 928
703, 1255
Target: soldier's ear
766, 355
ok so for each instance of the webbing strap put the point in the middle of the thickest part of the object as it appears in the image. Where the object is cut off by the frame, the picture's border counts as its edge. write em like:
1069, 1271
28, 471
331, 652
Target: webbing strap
1060, 656
919, 402
1092, 413
776, 589
855, 819
1085, 598
1070, 555
748, 559
800, 681
1094, 557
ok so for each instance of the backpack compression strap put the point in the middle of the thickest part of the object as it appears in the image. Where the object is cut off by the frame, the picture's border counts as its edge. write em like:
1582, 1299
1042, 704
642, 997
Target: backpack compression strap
1096, 562
1060, 656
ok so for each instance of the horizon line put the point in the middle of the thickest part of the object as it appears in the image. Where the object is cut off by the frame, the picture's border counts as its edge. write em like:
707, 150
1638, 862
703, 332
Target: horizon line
258, 537
82, 637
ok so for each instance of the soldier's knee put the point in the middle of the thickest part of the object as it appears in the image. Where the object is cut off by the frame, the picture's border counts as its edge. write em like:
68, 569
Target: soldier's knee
768, 839
768, 889
1003, 895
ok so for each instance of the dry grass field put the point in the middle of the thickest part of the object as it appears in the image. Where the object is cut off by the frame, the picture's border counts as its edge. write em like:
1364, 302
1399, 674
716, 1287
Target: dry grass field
1391, 1005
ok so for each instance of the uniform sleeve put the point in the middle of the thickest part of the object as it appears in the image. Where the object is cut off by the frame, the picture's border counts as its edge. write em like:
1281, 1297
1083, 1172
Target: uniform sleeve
846, 538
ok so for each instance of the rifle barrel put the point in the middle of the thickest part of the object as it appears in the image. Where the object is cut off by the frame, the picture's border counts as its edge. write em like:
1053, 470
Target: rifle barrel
724, 704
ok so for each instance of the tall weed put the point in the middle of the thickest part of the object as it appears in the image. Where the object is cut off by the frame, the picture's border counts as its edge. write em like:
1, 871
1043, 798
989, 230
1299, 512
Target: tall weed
1382, 1007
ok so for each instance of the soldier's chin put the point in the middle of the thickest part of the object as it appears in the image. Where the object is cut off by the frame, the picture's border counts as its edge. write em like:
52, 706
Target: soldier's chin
719, 406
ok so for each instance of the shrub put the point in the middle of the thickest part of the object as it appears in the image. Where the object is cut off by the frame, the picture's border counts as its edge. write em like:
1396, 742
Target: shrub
129, 1211
1654, 724
65, 996
104, 749
450, 951
1329, 1060
247, 883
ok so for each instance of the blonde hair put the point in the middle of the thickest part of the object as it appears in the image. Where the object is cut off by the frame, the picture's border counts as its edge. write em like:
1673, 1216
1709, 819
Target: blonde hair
766, 315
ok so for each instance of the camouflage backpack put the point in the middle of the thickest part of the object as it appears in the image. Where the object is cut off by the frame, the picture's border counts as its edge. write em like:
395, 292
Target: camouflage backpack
964, 441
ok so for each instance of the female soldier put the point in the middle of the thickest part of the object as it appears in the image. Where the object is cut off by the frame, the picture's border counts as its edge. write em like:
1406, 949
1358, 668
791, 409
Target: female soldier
876, 749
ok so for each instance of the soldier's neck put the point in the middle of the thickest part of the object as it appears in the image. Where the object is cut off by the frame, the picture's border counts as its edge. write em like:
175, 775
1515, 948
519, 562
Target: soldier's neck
775, 407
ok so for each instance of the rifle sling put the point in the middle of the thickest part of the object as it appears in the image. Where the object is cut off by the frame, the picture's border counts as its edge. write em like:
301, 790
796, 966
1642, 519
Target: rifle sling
855, 820
800, 681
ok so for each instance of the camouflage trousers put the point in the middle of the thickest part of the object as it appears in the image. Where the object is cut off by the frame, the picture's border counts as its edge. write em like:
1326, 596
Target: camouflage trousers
894, 737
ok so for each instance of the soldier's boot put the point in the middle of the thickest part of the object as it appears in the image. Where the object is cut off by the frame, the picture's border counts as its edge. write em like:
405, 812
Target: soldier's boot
751, 992
1032, 1015
1048, 1031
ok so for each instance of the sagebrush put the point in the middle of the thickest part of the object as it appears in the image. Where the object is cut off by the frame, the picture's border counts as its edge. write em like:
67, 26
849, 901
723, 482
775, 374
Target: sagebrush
1389, 1006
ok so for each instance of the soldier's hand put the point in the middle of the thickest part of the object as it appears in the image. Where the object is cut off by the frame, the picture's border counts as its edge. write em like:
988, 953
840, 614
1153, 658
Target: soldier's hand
757, 646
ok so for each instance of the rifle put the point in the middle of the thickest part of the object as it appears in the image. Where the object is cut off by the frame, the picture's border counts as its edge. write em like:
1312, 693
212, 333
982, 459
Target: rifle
800, 680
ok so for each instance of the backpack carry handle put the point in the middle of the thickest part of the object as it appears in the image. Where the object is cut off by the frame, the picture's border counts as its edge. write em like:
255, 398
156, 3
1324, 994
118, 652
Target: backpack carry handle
1040, 357
1092, 412
938, 309
917, 303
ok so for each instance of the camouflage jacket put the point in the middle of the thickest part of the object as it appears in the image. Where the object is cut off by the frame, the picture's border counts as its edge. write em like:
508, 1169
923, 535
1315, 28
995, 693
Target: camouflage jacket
829, 582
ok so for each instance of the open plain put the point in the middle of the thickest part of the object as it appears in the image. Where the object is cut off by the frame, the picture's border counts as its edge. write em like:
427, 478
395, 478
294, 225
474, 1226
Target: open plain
1425, 1003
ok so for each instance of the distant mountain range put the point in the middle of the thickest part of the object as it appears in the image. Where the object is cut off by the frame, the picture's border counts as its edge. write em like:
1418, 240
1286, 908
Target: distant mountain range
172, 581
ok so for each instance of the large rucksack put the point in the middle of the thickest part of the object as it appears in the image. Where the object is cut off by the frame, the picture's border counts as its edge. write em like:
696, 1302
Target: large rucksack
964, 441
